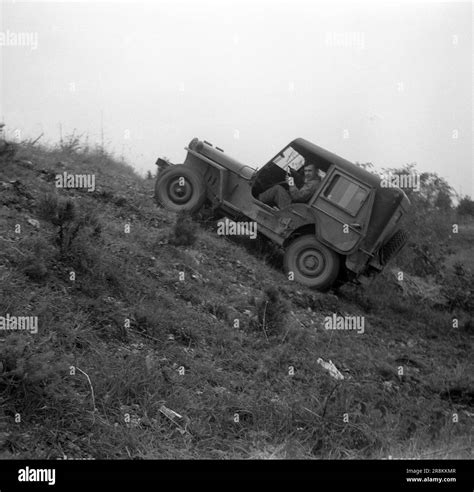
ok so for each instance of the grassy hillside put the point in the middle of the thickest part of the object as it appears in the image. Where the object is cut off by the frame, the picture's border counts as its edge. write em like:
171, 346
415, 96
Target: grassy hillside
133, 327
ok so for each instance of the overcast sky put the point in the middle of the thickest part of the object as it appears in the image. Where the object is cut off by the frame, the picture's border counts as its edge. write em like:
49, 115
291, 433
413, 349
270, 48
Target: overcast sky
385, 82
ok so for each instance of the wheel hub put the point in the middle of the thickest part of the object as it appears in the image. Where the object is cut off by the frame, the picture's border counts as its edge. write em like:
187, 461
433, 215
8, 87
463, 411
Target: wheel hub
310, 262
179, 191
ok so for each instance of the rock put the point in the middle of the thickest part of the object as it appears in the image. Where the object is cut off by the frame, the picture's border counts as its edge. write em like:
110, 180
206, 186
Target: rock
149, 362
171, 414
390, 386
25, 163
220, 390
329, 366
195, 255
34, 223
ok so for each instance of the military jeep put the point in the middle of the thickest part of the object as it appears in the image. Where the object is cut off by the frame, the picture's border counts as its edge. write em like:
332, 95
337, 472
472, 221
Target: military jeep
347, 231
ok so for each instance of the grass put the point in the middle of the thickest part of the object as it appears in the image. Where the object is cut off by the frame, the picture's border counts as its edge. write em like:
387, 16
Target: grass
129, 334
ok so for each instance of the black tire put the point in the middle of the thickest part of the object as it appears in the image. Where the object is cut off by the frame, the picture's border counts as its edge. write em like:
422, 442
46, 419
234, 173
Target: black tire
312, 263
393, 246
180, 188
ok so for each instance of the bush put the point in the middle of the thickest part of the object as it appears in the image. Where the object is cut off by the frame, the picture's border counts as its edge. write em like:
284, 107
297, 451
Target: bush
428, 223
27, 362
36, 270
36, 263
99, 268
71, 144
184, 231
457, 288
7, 150
64, 215
272, 312
465, 206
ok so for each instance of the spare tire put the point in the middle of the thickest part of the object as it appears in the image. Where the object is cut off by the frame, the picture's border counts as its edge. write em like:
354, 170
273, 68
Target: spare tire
180, 188
393, 246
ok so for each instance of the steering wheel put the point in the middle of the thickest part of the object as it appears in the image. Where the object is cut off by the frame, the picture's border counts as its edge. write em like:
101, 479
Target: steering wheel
298, 178
292, 172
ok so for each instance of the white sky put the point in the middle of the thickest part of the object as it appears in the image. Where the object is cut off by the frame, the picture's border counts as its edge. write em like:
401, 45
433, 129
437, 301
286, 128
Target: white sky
248, 77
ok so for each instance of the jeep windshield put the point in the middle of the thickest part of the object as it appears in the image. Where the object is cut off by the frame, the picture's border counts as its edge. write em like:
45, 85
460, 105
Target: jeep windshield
288, 159
276, 170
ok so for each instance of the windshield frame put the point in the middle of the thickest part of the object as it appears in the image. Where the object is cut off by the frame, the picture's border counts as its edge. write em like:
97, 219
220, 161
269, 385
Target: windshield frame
289, 158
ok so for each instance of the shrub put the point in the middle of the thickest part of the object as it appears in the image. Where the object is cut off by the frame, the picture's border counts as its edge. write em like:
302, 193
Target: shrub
7, 149
25, 361
35, 264
184, 231
71, 144
272, 312
457, 288
36, 270
98, 267
465, 206
64, 215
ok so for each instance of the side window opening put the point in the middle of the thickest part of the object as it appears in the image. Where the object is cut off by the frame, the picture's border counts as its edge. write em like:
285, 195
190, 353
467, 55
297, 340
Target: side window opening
346, 194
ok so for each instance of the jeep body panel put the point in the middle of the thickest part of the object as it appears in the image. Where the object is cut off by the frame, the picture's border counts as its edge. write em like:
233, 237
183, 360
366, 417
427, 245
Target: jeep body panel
351, 227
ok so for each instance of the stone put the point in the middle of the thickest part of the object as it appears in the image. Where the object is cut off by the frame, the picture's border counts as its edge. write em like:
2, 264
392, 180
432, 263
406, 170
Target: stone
34, 223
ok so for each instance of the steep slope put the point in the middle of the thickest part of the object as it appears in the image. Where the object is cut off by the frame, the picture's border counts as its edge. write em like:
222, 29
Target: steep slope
152, 350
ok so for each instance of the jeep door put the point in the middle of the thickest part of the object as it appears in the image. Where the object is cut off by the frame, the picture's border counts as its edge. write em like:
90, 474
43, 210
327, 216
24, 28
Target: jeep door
343, 206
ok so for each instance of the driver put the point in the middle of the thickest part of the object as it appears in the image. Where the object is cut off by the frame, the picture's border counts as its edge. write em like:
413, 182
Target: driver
277, 195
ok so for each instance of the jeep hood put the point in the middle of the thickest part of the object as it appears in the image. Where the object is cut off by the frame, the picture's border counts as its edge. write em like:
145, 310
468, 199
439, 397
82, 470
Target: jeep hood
218, 156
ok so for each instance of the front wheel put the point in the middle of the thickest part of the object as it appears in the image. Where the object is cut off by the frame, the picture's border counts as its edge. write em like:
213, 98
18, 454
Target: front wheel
180, 188
311, 263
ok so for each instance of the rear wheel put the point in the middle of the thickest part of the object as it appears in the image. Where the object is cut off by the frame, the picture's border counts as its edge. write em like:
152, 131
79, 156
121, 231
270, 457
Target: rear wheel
312, 263
180, 188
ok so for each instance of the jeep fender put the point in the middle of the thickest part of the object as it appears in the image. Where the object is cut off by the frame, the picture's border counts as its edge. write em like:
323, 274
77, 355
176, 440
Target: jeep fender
298, 219
306, 220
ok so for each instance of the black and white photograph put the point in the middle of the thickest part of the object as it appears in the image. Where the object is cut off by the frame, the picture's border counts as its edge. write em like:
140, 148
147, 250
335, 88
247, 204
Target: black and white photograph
237, 231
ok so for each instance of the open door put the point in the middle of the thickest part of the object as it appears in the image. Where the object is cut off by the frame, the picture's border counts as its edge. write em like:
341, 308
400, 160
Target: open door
286, 163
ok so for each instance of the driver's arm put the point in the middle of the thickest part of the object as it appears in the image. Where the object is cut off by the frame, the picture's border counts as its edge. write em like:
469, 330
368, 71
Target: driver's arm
305, 192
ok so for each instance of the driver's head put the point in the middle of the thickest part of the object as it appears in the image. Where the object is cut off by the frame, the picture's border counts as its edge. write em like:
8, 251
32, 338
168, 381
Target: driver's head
310, 171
